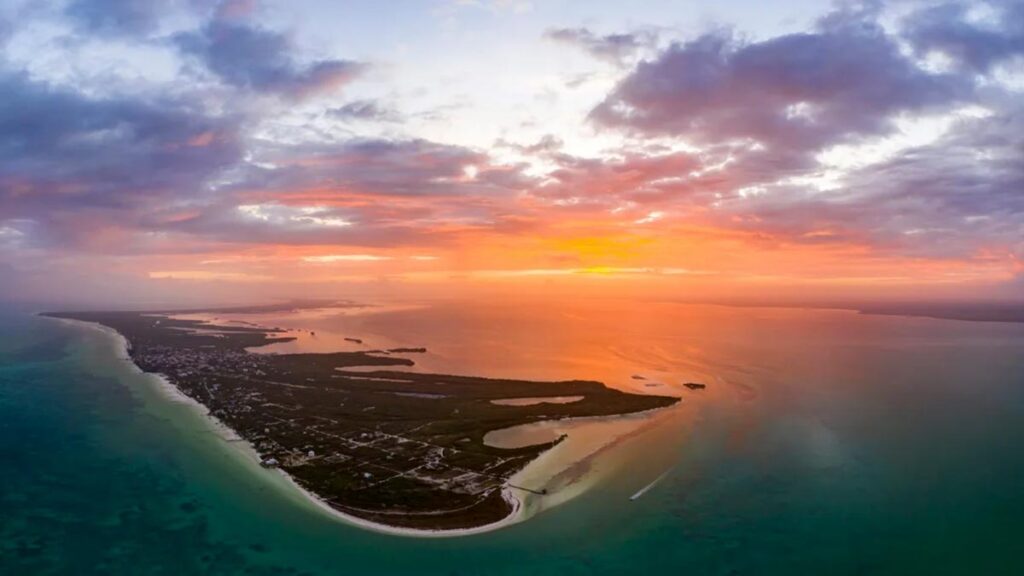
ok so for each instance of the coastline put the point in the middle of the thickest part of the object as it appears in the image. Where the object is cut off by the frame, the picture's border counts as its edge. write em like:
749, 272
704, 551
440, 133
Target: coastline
244, 448
573, 474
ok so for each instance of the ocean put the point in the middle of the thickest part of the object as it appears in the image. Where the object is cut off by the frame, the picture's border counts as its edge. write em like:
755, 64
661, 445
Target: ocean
826, 442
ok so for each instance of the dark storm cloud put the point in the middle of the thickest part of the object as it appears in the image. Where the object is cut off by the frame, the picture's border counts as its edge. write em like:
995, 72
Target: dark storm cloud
254, 58
614, 48
946, 29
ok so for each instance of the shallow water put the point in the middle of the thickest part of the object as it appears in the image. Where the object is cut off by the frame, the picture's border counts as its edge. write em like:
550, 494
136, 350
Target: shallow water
826, 443
535, 401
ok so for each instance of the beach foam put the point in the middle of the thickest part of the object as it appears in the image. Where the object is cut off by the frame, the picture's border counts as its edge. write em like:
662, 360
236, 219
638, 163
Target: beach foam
250, 455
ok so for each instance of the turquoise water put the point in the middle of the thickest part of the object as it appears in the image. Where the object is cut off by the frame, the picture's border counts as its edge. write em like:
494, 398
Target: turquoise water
864, 445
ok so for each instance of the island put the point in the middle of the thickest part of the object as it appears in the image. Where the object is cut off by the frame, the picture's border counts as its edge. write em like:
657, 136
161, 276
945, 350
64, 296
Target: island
397, 448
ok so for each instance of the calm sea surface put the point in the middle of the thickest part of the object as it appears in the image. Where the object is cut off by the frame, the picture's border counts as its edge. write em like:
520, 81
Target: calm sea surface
827, 442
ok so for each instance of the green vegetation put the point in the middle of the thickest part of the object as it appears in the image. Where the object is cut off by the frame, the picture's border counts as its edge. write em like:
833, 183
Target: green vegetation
398, 448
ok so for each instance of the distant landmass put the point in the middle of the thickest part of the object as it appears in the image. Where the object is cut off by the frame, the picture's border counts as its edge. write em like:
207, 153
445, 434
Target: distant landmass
966, 311
974, 312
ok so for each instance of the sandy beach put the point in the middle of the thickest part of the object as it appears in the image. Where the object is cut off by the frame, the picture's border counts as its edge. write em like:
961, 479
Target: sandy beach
566, 471
585, 457
245, 449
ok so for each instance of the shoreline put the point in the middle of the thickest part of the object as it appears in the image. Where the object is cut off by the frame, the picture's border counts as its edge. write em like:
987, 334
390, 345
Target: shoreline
576, 476
244, 448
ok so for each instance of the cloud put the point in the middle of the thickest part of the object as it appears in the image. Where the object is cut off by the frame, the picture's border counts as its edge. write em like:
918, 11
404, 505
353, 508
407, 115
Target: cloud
762, 118
634, 178
800, 139
334, 258
254, 58
956, 197
363, 192
116, 17
614, 48
235, 9
387, 167
6, 30
137, 175
549, 144
305, 216
366, 110
948, 30
62, 152
799, 91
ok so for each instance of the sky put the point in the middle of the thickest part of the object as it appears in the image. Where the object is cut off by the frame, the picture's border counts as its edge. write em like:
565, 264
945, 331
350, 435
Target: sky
186, 150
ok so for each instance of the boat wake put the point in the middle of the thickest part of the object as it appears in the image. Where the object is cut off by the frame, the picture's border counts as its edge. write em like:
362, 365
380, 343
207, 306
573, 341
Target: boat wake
644, 490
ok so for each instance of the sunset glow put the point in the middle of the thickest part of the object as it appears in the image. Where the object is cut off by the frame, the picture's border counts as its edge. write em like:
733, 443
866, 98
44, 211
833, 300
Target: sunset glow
839, 152
507, 287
